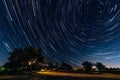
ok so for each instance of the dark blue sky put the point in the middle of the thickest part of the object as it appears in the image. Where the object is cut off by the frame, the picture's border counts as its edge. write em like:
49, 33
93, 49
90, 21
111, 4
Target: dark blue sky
69, 31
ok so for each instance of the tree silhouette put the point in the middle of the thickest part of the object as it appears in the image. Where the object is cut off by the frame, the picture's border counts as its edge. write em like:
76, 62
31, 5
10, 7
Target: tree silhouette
55, 64
25, 58
15, 60
33, 55
87, 65
65, 66
100, 66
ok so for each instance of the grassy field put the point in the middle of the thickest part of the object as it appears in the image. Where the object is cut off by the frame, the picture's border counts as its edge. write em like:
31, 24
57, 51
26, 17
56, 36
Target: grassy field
55, 75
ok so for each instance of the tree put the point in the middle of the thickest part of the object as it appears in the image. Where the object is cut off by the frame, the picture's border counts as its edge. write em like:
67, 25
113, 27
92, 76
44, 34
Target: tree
65, 66
32, 56
100, 66
15, 59
55, 64
25, 58
87, 65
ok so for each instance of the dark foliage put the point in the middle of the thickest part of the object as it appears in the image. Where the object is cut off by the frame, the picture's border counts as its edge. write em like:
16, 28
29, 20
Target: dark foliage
65, 66
24, 58
87, 65
100, 66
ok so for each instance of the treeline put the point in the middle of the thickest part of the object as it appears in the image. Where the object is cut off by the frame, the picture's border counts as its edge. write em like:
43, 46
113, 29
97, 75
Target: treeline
31, 58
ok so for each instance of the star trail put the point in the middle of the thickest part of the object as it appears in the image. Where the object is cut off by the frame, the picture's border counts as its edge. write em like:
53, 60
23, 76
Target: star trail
70, 31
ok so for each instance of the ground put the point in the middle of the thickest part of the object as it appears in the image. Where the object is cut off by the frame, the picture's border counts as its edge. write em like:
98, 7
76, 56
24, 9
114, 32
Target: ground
56, 75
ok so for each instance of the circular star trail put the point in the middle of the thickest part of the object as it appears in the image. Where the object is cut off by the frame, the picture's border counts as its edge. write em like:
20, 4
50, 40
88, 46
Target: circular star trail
68, 31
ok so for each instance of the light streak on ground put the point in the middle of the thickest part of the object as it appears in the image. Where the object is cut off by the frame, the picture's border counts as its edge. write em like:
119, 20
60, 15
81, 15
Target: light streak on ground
68, 74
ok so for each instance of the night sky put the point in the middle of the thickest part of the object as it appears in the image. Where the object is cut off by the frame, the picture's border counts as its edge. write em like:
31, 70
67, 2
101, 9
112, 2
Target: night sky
70, 31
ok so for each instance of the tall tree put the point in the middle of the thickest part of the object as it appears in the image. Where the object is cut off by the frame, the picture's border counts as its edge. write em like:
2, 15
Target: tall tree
15, 59
25, 58
32, 56
87, 65
100, 66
